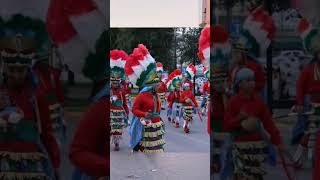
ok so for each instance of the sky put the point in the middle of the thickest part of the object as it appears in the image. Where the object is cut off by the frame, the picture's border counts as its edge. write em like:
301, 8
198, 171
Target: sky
155, 13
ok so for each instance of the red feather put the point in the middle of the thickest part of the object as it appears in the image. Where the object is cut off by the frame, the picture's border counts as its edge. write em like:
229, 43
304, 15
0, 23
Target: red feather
193, 68
138, 54
118, 54
219, 34
304, 24
159, 64
200, 55
204, 40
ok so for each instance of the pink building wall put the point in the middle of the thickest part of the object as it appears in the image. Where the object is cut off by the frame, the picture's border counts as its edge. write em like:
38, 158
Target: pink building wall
206, 11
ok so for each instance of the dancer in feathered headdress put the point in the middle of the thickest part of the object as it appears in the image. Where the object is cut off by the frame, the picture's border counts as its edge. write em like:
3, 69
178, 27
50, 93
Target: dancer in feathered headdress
205, 44
308, 90
220, 59
174, 86
162, 89
258, 32
118, 110
141, 71
189, 75
27, 138
205, 93
248, 78
188, 103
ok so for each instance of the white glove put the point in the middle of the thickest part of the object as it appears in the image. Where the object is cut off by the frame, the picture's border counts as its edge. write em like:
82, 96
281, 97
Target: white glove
14, 118
144, 122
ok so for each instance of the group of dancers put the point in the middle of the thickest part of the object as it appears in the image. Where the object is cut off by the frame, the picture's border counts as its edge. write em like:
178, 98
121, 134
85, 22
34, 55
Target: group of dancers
156, 94
32, 121
244, 132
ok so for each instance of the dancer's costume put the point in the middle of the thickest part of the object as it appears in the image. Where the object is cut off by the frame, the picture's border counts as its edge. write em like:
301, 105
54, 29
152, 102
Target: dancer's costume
253, 40
147, 128
162, 92
188, 102
174, 85
189, 75
28, 148
170, 103
308, 91
49, 80
126, 89
118, 110
250, 148
206, 93
221, 56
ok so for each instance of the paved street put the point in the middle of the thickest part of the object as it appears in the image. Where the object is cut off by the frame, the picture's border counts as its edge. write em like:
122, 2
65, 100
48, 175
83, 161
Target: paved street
186, 156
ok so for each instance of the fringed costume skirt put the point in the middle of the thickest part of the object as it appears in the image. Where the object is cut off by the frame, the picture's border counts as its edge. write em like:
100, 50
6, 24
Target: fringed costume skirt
248, 158
187, 113
28, 163
153, 137
162, 98
117, 123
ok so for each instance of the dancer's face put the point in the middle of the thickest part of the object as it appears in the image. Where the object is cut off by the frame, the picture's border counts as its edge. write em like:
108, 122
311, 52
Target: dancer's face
114, 84
239, 57
248, 86
157, 87
16, 75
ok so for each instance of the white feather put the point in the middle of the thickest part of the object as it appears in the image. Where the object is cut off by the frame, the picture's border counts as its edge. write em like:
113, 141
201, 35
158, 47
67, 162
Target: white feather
206, 54
89, 26
144, 63
132, 78
159, 68
138, 70
117, 63
150, 58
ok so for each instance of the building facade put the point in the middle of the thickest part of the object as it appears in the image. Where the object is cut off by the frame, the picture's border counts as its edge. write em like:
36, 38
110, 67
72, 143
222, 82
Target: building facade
205, 12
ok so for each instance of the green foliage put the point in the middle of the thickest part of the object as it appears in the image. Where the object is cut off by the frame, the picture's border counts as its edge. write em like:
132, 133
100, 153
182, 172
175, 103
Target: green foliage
188, 44
161, 42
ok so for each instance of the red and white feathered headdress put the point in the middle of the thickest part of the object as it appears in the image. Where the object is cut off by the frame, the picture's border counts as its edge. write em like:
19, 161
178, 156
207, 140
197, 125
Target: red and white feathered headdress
191, 71
220, 53
141, 67
117, 63
258, 31
206, 72
204, 46
174, 80
309, 35
159, 67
